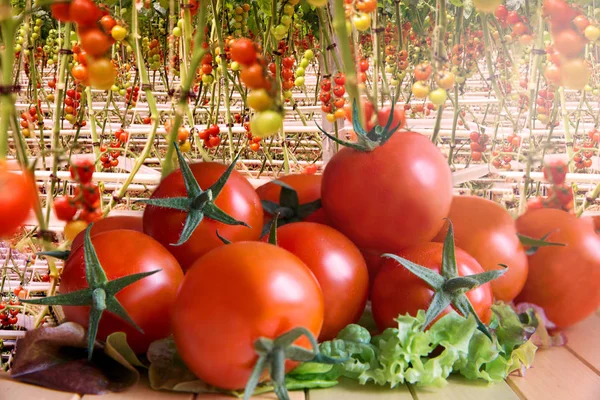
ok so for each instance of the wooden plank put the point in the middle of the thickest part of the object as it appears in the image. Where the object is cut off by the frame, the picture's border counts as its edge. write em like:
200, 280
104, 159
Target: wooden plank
460, 388
584, 340
351, 390
557, 375
11, 389
295, 395
142, 391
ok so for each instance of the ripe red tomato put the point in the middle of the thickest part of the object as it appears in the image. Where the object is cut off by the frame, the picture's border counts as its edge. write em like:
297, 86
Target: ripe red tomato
234, 295
390, 198
65, 208
564, 281
84, 13
397, 291
569, 43
243, 51
127, 222
60, 11
17, 196
95, 42
338, 266
238, 199
82, 170
148, 301
308, 188
487, 232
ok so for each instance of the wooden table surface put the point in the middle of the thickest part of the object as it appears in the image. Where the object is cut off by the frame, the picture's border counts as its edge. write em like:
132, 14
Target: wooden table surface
571, 372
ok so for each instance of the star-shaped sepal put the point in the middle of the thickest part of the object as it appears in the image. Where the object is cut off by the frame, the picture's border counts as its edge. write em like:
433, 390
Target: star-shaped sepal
289, 208
272, 354
367, 141
198, 203
100, 294
449, 287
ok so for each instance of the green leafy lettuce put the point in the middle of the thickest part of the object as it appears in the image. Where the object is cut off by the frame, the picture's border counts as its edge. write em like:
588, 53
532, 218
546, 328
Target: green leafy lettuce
410, 354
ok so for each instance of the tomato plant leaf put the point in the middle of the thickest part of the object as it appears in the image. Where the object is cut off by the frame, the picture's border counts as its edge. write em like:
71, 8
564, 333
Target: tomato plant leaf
117, 346
56, 358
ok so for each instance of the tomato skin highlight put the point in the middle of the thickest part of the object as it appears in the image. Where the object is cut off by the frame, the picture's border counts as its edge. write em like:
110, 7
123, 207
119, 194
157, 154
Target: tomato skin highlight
338, 266
148, 301
238, 199
234, 295
390, 198
397, 291
486, 231
564, 281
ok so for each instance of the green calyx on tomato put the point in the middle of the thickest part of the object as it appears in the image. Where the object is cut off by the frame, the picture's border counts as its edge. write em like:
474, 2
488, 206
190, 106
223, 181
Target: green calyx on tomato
273, 353
450, 288
289, 208
100, 294
198, 203
535, 244
367, 141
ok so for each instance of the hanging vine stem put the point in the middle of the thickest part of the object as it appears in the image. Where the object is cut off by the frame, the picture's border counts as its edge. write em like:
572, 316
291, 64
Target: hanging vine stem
186, 85
216, 4
154, 116
348, 62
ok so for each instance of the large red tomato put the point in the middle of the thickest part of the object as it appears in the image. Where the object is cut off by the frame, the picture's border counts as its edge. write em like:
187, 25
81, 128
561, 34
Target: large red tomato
390, 198
238, 199
16, 199
564, 281
148, 301
487, 231
308, 188
110, 224
338, 266
397, 291
234, 295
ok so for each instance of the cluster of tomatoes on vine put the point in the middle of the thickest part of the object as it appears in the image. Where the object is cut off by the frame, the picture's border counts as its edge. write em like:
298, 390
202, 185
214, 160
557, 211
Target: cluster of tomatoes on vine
97, 31
333, 106
518, 24
253, 141
421, 88
544, 104
132, 95
502, 161
583, 156
29, 119
9, 313
571, 31
83, 206
71, 104
478, 145
560, 195
210, 136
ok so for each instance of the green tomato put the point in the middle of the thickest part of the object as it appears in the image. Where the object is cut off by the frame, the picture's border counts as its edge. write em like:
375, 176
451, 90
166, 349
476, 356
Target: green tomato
18, 48
299, 81
281, 30
235, 66
300, 71
288, 9
207, 79
266, 123
287, 94
286, 20
114, 88
309, 54
122, 92
438, 96
303, 63
180, 23
596, 92
362, 21
177, 31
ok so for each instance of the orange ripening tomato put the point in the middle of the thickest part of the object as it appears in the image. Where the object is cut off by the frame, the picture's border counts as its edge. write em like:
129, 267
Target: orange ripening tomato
234, 295
487, 232
563, 280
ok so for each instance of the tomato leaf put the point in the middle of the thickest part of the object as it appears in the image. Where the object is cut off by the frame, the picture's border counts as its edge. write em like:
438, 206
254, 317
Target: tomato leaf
56, 358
